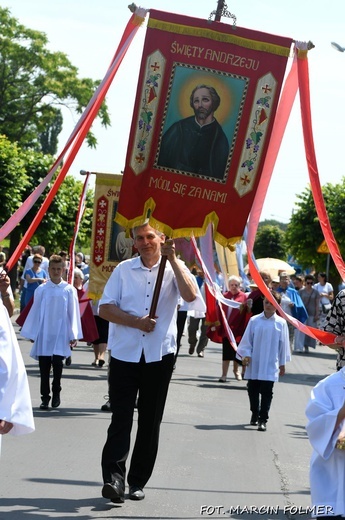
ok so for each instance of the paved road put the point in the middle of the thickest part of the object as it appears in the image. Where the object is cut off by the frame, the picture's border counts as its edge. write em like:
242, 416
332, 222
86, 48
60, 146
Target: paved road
211, 463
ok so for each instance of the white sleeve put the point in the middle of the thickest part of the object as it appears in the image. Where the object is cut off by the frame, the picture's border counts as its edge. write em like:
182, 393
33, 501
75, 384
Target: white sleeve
15, 400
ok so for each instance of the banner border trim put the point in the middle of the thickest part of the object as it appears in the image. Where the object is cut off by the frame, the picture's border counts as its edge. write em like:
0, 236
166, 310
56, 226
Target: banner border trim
219, 36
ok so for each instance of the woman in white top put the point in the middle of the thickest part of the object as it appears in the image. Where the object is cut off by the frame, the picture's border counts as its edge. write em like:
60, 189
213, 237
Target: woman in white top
325, 290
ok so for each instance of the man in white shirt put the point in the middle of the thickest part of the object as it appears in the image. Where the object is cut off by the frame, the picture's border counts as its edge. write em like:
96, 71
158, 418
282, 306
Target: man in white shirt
142, 357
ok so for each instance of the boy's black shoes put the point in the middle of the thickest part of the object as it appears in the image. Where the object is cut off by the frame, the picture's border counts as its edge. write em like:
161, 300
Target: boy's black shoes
56, 400
45, 403
262, 427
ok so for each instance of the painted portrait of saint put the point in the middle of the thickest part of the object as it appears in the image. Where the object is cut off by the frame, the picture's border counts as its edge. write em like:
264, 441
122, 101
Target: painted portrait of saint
201, 142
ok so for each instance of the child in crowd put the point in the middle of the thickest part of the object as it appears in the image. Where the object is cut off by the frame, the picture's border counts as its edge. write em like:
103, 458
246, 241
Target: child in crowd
53, 323
264, 350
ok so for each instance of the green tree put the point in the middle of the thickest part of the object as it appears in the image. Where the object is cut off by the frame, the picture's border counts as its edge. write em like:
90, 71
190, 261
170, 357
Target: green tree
304, 234
34, 84
20, 172
269, 242
13, 178
273, 222
56, 230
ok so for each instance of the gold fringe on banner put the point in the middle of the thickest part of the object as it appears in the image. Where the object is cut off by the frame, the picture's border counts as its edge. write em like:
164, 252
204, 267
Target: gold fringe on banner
218, 36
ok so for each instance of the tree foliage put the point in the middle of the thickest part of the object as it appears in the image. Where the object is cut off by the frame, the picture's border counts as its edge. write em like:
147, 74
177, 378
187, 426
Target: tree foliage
13, 178
273, 222
34, 84
269, 242
304, 234
20, 172
56, 230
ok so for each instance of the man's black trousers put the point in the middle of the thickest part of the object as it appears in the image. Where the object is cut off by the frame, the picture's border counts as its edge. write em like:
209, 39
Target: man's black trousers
150, 382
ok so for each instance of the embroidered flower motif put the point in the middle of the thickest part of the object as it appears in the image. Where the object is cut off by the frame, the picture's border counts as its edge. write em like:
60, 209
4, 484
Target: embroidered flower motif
146, 114
253, 141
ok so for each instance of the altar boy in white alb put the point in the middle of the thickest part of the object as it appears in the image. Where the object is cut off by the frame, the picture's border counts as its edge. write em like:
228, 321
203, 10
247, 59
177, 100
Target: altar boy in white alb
53, 323
265, 349
326, 431
15, 403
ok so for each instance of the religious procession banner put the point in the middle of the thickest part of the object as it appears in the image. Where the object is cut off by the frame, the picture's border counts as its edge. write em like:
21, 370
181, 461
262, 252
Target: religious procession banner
205, 105
109, 244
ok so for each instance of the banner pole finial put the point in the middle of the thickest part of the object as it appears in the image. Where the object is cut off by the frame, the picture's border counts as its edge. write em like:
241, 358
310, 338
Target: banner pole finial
222, 10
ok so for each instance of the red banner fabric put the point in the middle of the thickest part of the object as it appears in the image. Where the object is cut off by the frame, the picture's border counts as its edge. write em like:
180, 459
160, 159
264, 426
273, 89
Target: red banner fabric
205, 106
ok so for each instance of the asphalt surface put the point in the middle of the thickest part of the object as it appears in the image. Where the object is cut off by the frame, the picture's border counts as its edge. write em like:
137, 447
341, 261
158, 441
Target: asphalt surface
211, 462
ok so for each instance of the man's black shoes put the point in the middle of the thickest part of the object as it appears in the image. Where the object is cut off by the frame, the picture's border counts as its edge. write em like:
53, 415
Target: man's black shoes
136, 493
114, 492
106, 407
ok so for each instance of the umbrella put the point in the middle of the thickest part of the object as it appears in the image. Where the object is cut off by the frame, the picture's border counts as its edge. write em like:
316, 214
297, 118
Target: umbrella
272, 265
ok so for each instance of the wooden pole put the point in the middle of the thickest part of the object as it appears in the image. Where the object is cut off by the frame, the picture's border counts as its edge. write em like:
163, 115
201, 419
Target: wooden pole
157, 288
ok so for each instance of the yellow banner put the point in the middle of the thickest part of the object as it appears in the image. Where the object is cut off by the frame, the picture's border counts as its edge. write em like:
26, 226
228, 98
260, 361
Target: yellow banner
109, 244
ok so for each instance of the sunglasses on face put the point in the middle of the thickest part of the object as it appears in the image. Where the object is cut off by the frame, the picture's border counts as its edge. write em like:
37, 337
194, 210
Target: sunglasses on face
37, 262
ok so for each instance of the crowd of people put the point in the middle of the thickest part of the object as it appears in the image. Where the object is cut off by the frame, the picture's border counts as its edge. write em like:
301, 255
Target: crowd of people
144, 344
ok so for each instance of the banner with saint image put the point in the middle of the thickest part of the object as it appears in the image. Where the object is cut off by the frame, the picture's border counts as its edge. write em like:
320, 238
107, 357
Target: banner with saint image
206, 99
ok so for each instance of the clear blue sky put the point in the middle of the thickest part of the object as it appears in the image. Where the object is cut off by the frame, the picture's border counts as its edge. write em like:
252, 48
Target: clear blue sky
89, 32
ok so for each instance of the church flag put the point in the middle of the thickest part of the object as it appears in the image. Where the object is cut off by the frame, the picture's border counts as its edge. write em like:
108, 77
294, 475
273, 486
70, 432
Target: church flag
109, 244
205, 106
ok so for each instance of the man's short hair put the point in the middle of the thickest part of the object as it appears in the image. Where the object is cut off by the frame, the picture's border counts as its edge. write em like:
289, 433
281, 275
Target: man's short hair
39, 249
213, 93
146, 223
56, 259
